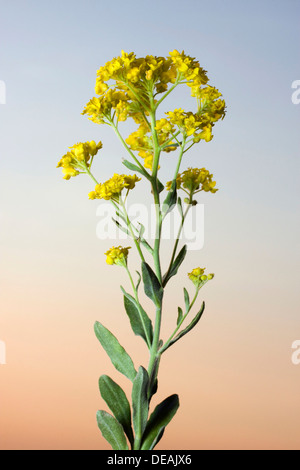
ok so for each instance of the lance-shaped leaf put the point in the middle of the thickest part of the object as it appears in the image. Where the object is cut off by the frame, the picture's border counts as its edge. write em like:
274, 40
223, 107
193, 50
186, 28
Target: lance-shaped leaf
152, 286
118, 356
133, 167
186, 300
153, 382
176, 265
140, 402
139, 320
120, 227
171, 199
159, 419
160, 186
180, 315
189, 327
139, 281
146, 245
117, 401
112, 430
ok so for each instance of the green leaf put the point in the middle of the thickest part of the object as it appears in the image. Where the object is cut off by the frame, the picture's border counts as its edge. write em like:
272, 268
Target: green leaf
186, 300
120, 227
139, 281
159, 419
180, 315
119, 357
176, 265
158, 438
146, 245
117, 401
140, 404
136, 168
153, 382
152, 286
190, 326
141, 231
139, 320
112, 430
171, 199
121, 216
160, 186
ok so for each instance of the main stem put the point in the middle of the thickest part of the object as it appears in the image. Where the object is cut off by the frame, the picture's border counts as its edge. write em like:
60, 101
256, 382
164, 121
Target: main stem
156, 253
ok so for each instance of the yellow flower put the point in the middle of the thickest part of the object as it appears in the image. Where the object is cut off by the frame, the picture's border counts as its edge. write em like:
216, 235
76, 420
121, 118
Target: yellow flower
194, 180
198, 277
113, 188
78, 159
117, 255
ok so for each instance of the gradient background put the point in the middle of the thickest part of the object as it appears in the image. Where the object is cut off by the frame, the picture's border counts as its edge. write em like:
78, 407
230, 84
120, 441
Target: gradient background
234, 374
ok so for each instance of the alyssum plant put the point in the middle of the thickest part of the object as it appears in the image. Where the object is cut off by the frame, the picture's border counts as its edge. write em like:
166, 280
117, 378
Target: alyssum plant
131, 87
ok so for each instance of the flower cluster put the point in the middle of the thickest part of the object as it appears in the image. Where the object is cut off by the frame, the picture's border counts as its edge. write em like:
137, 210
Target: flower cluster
198, 277
141, 141
79, 158
194, 180
139, 72
199, 125
190, 69
113, 188
117, 255
100, 108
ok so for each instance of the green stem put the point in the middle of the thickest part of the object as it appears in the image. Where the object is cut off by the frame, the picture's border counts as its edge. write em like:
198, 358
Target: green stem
144, 171
167, 343
177, 240
91, 175
129, 225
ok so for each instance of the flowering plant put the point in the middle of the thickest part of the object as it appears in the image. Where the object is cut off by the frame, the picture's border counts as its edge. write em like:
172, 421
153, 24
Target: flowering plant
131, 87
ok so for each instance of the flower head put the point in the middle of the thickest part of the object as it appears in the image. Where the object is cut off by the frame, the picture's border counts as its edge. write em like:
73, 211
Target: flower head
117, 255
194, 180
113, 188
198, 277
78, 158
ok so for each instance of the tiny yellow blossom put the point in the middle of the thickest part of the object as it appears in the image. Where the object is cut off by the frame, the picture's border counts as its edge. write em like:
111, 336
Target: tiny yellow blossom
117, 255
194, 180
113, 188
78, 158
198, 277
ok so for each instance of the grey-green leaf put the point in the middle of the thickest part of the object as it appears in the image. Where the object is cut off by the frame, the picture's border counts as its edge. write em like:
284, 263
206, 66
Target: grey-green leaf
160, 186
120, 227
139, 281
112, 430
139, 320
152, 286
159, 419
119, 357
176, 265
117, 401
180, 315
146, 245
171, 199
190, 326
136, 168
186, 300
140, 402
